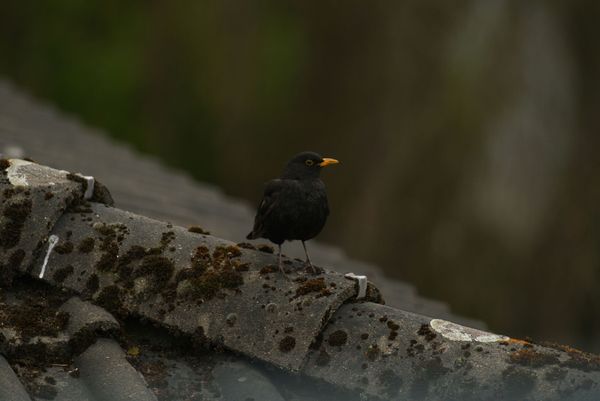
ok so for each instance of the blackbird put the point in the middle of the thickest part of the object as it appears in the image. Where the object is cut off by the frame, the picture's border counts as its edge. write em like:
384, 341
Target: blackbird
294, 206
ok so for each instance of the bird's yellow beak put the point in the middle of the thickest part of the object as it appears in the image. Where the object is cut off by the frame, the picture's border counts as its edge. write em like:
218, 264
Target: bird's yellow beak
327, 161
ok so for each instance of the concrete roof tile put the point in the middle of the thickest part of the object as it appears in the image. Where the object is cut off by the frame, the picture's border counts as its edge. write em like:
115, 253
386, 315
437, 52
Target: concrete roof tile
358, 350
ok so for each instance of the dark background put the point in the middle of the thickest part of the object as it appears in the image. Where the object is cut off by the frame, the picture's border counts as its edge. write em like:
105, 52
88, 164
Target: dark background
467, 130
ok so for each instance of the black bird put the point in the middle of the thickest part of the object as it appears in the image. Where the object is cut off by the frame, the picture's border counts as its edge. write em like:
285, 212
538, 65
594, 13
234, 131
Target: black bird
294, 206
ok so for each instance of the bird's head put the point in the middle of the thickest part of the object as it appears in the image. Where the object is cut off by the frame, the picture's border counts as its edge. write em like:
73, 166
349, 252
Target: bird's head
306, 165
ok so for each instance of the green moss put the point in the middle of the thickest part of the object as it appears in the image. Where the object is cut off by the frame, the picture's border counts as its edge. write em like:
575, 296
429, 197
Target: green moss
206, 286
393, 326
64, 248
35, 317
61, 274
209, 275
240, 267
107, 262
158, 268
287, 344
424, 331
78, 179
8, 193
86, 245
105, 230
314, 285
134, 253
233, 251
111, 298
231, 279
198, 230
337, 338
109, 246
166, 238
16, 214
201, 259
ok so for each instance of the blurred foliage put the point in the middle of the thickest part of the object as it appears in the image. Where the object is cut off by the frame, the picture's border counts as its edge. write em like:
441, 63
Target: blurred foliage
467, 130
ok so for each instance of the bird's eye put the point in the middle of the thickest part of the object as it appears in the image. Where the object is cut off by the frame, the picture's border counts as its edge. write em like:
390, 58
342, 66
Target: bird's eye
309, 162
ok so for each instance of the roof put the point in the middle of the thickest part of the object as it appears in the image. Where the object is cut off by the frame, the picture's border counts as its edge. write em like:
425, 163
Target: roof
141, 184
100, 303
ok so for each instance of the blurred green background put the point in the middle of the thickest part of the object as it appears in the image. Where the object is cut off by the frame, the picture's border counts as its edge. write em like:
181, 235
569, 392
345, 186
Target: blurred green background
468, 130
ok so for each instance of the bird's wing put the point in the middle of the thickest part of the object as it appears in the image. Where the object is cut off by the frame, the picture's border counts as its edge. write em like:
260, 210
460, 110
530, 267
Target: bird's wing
267, 205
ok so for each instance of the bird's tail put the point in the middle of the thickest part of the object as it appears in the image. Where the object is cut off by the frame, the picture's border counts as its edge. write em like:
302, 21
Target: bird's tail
252, 235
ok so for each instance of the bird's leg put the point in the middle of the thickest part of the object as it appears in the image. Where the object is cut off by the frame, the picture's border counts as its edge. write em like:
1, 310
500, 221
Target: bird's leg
281, 265
308, 262
279, 258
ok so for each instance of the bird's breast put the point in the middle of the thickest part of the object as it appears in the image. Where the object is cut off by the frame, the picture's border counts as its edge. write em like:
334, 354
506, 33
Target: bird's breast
304, 211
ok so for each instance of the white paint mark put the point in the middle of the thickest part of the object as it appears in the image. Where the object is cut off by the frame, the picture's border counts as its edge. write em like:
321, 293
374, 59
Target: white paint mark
450, 330
52, 241
14, 176
89, 190
362, 284
456, 332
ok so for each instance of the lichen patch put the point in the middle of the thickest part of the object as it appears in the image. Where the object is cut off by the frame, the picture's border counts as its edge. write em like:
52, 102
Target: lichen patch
456, 332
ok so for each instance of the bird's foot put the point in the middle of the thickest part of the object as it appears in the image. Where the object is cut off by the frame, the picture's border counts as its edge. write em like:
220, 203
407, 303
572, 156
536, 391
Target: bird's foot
310, 268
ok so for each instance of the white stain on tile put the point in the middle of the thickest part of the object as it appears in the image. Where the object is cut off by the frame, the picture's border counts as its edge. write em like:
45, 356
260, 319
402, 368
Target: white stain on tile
456, 332
15, 177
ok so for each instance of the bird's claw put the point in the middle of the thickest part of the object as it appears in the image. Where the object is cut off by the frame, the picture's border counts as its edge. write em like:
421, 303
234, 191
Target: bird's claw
282, 270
